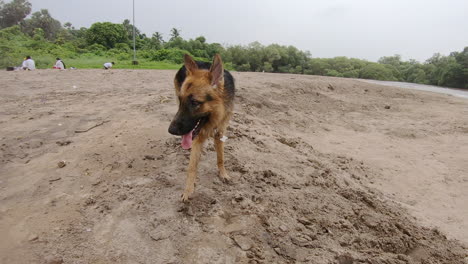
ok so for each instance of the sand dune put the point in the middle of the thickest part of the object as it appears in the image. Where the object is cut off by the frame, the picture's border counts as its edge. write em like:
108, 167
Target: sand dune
325, 170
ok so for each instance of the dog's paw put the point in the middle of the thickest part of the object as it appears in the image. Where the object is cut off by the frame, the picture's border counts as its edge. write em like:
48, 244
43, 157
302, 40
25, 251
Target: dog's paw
224, 177
186, 195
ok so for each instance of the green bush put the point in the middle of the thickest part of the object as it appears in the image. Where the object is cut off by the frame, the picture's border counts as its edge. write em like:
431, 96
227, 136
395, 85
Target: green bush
351, 74
122, 47
97, 49
333, 73
12, 33
124, 56
376, 71
243, 67
44, 61
106, 34
172, 55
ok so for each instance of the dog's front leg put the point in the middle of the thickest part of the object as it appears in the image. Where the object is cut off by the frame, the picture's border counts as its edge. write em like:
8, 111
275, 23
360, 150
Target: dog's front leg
195, 154
219, 146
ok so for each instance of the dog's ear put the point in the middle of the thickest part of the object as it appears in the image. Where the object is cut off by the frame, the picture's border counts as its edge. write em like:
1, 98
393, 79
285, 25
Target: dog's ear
217, 71
190, 64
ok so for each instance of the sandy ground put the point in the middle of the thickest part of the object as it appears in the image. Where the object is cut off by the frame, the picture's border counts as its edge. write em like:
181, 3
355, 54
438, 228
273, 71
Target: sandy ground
325, 170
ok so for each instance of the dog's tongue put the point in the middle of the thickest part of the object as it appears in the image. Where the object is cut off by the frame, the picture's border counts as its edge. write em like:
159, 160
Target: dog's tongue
187, 140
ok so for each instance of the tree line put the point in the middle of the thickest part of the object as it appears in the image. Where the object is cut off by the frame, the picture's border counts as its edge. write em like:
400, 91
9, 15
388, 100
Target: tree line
41, 33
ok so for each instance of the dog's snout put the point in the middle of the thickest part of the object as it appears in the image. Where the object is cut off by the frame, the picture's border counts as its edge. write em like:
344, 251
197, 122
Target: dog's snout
174, 129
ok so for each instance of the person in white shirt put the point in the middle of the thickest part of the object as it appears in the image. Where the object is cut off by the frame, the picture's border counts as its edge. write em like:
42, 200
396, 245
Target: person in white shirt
108, 65
59, 64
28, 64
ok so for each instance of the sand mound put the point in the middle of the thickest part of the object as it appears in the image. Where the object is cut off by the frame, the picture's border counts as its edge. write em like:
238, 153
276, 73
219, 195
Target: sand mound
90, 175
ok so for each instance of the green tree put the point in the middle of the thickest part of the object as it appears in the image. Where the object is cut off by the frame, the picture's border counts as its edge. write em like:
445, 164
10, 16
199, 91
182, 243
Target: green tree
212, 49
446, 71
14, 12
106, 34
267, 67
237, 56
68, 26
376, 71
317, 66
175, 34
129, 29
155, 42
158, 36
395, 64
43, 20
462, 59
394, 60
176, 43
413, 71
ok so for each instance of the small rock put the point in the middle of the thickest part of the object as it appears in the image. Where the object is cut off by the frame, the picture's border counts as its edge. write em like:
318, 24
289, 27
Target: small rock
122, 197
330, 87
90, 201
243, 242
387, 107
157, 235
190, 211
149, 157
33, 237
286, 251
63, 142
345, 259
53, 260
404, 258
96, 182
283, 228
304, 221
299, 241
244, 204
258, 253
238, 197
61, 164
297, 186
55, 179
370, 220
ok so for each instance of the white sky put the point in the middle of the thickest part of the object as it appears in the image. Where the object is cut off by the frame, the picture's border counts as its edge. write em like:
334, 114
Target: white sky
366, 29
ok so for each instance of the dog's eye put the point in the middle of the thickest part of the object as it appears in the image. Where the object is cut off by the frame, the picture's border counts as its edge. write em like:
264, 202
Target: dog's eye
195, 102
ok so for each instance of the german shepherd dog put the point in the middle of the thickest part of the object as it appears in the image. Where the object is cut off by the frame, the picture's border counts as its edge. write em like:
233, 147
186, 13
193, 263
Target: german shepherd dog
206, 100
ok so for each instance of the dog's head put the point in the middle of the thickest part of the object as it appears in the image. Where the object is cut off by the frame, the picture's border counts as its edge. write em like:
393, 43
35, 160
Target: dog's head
200, 99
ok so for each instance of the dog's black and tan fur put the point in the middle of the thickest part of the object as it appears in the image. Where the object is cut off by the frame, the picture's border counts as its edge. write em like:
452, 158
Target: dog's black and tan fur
206, 99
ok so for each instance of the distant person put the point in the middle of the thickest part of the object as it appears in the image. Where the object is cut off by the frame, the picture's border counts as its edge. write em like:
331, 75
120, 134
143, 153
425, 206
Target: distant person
108, 65
28, 64
59, 64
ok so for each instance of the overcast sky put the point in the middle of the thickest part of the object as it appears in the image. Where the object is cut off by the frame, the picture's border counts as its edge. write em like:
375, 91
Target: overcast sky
366, 29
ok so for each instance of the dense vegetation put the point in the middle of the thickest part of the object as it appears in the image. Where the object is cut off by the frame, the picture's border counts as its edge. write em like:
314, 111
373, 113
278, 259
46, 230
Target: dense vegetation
44, 38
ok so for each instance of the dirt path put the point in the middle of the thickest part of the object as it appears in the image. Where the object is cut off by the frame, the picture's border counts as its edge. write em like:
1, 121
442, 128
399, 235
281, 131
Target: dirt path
325, 170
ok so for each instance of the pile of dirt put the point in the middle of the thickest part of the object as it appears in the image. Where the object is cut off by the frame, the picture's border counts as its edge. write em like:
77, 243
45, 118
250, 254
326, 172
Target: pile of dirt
90, 175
